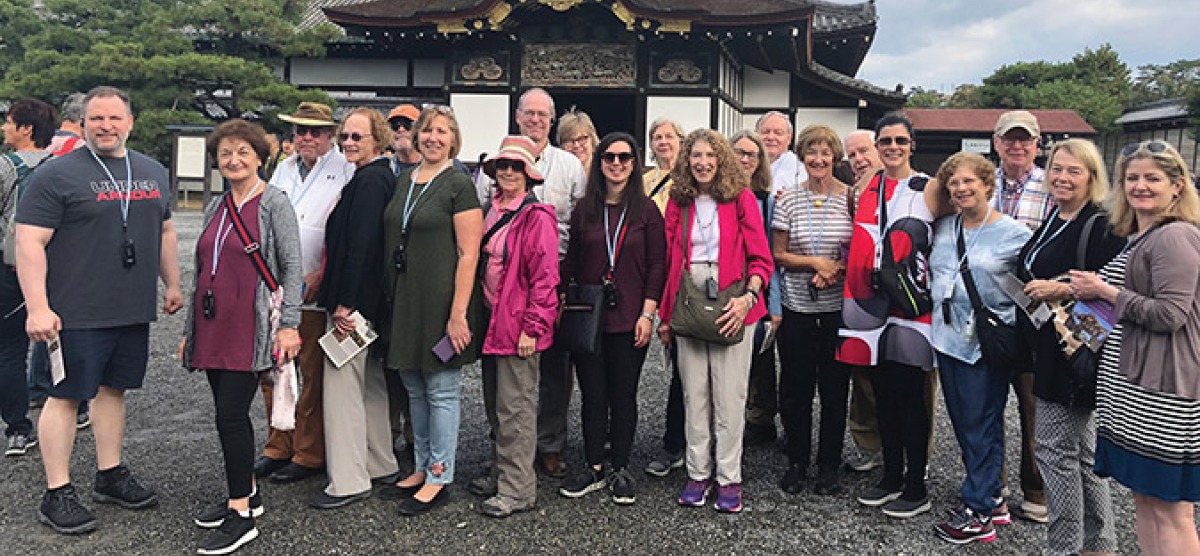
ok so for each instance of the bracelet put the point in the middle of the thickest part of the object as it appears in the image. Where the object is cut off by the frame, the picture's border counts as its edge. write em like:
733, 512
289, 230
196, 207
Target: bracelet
647, 316
753, 298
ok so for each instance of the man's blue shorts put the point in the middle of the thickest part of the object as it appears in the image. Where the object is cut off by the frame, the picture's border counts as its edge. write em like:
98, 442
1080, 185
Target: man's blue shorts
112, 357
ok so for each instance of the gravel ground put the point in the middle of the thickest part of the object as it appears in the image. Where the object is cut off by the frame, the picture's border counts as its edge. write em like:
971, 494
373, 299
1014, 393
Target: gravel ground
172, 445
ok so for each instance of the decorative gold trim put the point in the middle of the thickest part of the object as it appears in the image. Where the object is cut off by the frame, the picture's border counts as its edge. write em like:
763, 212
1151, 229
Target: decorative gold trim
452, 27
499, 14
675, 26
623, 14
561, 5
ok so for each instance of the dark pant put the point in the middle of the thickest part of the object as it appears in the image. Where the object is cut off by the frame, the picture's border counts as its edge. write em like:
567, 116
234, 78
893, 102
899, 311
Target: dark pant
232, 393
39, 376
608, 384
674, 440
762, 400
807, 343
554, 399
903, 425
975, 397
14, 391
1032, 487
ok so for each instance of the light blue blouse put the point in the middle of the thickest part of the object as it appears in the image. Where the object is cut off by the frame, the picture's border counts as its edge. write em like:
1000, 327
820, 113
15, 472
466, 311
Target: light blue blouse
992, 254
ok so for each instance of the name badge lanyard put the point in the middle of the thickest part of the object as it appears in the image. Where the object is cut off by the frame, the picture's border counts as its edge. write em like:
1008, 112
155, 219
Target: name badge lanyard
613, 242
208, 301
961, 263
703, 235
1039, 244
127, 253
814, 246
410, 202
301, 187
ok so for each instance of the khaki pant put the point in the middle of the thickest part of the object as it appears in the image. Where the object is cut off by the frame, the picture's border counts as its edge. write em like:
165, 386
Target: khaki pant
510, 386
305, 445
359, 442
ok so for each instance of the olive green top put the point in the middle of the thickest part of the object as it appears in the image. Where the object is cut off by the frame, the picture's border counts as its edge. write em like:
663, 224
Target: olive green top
423, 294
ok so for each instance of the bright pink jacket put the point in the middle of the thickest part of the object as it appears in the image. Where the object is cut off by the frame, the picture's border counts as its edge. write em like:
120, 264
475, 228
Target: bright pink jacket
527, 297
743, 248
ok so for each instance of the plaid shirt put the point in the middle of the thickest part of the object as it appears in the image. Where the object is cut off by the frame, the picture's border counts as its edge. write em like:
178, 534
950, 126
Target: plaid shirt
1026, 198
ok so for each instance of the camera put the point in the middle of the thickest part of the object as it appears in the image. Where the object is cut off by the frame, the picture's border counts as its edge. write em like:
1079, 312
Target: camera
610, 294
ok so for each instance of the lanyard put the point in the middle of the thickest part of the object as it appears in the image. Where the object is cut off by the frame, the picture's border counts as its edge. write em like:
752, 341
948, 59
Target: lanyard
814, 246
304, 185
703, 235
1038, 244
618, 238
410, 203
128, 186
971, 242
223, 231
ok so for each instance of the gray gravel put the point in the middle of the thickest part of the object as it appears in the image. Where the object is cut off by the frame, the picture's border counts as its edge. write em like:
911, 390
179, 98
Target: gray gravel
172, 445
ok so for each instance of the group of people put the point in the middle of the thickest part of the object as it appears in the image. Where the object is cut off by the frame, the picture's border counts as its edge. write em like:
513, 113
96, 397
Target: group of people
871, 278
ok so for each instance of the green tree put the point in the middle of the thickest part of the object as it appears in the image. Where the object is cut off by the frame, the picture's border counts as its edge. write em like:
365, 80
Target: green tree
925, 98
182, 61
1159, 82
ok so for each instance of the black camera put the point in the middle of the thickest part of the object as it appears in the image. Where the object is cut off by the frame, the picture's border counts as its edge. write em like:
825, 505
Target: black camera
400, 259
128, 254
711, 289
610, 294
876, 280
209, 305
813, 291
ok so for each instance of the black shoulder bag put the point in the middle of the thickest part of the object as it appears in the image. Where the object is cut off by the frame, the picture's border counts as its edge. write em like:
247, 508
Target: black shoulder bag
897, 281
1000, 342
1084, 363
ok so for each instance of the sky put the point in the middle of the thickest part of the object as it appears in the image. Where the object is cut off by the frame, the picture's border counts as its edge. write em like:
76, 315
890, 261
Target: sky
939, 44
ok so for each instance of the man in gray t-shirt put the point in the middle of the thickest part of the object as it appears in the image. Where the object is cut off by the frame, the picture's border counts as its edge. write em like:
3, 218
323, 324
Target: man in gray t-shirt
94, 232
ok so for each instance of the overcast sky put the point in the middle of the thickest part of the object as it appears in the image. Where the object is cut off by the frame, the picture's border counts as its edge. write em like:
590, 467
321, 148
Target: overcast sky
938, 44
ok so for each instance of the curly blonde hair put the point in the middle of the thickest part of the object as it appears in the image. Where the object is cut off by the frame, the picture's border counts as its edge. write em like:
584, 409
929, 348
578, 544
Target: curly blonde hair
728, 182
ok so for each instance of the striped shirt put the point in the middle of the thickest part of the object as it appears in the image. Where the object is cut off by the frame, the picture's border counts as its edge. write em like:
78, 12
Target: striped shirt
822, 231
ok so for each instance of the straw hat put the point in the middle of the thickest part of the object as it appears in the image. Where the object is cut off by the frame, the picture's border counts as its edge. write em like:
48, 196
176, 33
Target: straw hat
515, 147
311, 114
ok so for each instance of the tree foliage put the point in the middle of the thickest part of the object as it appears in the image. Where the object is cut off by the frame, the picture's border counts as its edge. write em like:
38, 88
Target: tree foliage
182, 61
1159, 82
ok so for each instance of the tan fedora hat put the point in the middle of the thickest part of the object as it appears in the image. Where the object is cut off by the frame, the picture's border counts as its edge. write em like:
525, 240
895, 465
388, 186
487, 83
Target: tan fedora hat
311, 114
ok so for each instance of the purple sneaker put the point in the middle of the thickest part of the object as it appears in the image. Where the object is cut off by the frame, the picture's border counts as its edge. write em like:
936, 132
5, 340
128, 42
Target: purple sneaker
694, 493
729, 499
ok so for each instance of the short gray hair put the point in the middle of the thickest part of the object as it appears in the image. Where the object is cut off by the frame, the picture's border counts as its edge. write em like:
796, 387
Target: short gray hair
758, 124
869, 133
521, 100
72, 108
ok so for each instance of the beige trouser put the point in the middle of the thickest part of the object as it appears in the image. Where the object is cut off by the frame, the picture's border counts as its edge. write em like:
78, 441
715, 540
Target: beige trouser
358, 437
715, 379
510, 386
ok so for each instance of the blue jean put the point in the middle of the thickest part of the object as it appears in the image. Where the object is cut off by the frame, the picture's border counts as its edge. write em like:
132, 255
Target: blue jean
14, 392
434, 402
975, 397
39, 375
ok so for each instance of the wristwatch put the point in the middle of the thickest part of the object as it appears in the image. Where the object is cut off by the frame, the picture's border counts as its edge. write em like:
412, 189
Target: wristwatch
648, 316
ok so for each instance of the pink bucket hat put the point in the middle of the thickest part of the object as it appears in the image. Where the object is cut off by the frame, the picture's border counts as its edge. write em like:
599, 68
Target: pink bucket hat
515, 147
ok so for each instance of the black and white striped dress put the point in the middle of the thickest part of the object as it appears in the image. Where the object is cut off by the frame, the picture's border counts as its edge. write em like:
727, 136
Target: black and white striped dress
1148, 441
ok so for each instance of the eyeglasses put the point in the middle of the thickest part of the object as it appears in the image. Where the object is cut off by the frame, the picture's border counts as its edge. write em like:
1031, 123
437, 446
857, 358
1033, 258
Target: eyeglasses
887, 141
506, 164
401, 123
1010, 141
742, 153
310, 131
1155, 146
356, 137
538, 114
577, 140
612, 158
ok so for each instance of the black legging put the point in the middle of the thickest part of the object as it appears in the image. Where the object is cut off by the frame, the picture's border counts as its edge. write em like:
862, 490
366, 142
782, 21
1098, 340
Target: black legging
807, 342
232, 393
608, 385
903, 425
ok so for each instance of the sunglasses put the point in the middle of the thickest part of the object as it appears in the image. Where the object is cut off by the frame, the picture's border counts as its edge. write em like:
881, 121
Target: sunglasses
1156, 146
309, 131
612, 158
440, 108
514, 165
356, 137
401, 123
887, 141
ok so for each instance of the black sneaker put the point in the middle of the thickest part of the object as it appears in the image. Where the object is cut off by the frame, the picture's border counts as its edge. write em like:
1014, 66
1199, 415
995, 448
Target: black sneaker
624, 491
214, 516
118, 486
827, 483
906, 507
62, 510
879, 495
234, 532
664, 463
793, 479
586, 481
20, 443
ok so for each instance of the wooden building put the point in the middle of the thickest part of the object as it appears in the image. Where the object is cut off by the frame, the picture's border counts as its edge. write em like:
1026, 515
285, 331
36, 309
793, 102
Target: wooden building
710, 63
940, 133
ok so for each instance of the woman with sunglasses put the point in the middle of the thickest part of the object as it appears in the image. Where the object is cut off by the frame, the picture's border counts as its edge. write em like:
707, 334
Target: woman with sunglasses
577, 135
618, 243
762, 399
1080, 506
812, 228
890, 335
520, 276
724, 245
665, 137
432, 228
1148, 391
358, 436
986, 243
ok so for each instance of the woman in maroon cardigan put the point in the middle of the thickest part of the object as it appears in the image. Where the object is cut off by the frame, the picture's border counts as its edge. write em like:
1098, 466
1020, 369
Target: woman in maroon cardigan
618, 242
726, 245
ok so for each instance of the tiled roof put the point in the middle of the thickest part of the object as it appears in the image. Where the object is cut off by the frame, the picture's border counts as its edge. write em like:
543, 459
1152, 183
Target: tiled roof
854, 83
314, 15
983, 120
1169, 109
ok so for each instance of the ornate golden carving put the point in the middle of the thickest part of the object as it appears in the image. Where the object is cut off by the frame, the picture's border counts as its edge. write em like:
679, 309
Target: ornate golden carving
499, 14
579, 65
482, 68
676, 70
561, 5
623, 14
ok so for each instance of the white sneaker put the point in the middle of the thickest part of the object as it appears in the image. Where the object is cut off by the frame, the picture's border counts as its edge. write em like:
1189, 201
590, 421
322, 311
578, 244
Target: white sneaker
861, 461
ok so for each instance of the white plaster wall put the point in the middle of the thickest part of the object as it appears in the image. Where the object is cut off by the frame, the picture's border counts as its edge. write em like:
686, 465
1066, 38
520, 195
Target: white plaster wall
340, 72
483, 120
689, 113
765, 90
842, 120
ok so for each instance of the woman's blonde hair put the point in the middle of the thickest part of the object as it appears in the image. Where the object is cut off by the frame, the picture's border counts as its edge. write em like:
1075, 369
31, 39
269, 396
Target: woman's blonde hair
761, 180
1087, 154
426, 118
575, 123
1185, 207
976, 163
381, 132
727, 183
